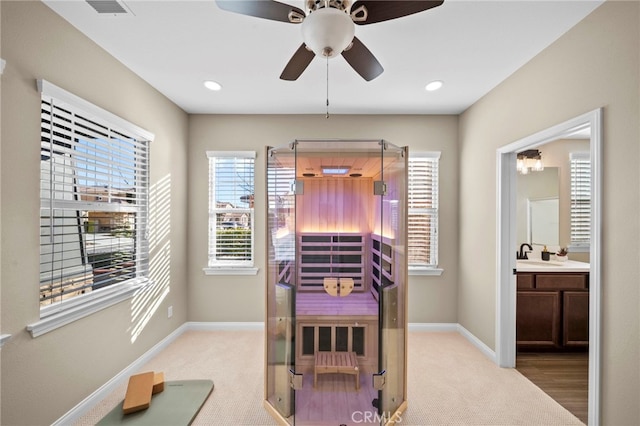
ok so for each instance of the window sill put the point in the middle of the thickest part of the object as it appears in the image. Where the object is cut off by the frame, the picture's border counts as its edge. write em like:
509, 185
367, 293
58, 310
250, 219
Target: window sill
68, 313
579, 249
230, 271
4, 338
426, 271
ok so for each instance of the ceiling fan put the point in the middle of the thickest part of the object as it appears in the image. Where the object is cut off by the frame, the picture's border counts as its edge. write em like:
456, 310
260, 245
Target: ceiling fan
329, 26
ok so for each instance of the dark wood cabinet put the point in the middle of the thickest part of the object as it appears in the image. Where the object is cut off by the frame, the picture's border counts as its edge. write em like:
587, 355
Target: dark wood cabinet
575, 320
552, 311
538, 318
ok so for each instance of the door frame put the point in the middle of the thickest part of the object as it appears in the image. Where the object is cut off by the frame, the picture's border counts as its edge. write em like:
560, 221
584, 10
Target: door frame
507, 246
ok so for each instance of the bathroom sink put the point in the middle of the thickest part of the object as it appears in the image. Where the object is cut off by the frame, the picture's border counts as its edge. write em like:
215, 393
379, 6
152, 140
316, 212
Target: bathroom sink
539, 265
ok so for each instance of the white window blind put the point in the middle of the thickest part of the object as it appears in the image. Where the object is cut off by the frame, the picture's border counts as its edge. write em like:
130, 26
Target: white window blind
93, 201
580, 170
423, 210
231, 209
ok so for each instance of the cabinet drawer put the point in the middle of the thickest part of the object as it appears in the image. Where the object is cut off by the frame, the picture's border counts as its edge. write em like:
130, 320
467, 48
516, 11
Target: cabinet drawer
525, 281
561, 281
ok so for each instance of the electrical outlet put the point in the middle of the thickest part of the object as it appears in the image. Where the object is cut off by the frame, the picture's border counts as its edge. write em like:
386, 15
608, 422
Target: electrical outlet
170, 312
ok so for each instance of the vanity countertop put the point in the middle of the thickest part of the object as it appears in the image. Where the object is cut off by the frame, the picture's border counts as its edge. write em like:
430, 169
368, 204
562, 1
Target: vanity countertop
539, 265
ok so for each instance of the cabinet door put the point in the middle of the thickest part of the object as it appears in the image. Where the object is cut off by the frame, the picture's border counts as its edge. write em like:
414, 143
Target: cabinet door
575, 321
538, 319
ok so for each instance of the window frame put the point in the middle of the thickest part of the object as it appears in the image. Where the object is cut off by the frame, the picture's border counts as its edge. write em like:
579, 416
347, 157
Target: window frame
228, 267
426, 269
69, 310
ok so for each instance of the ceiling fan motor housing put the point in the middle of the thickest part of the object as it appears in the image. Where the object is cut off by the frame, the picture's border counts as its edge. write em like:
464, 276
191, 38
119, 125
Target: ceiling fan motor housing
328, 31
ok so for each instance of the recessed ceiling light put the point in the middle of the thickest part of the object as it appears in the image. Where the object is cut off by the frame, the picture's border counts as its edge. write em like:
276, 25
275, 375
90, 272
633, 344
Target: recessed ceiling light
212, 85
434, 85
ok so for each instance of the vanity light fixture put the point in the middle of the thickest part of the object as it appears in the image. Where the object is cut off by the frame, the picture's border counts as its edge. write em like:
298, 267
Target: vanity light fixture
529, 160
212, 85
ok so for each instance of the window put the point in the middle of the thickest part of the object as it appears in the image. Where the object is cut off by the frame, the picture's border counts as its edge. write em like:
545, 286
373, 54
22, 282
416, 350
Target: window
423, 212
231, 212
93, 207
580, 169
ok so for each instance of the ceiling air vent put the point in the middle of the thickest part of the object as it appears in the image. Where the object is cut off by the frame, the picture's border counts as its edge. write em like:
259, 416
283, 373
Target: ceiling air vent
110, 7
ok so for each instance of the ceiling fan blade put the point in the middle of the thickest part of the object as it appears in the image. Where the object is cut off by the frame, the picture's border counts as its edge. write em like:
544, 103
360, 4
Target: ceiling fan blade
362, 60
267, 9
385, 10
297, 64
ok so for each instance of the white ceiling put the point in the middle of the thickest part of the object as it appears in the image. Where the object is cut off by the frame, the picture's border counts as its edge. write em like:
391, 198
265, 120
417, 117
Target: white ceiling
471, 45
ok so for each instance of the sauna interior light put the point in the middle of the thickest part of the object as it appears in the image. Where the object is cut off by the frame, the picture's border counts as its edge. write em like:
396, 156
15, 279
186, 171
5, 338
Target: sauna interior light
334, 170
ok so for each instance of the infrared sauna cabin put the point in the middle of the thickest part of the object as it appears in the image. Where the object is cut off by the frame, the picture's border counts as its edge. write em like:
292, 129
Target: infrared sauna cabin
336, 285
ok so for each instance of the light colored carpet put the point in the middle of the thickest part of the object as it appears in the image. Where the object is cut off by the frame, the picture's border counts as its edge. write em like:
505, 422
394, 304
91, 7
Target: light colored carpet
450, 383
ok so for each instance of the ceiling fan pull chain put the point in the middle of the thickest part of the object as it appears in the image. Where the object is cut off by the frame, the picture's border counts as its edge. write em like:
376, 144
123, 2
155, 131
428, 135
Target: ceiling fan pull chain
327, 117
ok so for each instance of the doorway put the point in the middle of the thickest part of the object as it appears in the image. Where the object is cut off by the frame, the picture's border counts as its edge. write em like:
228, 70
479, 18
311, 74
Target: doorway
507, 245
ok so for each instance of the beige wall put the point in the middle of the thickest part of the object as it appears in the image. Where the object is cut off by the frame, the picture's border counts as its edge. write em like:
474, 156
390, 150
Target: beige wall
241, 298
593, 65
44, 377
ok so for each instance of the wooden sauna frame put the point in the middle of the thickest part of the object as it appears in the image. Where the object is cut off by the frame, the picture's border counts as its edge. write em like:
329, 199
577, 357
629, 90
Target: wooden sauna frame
335, 237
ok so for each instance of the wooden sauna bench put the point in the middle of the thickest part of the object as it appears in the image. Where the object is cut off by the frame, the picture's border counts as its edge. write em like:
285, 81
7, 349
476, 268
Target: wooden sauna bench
336, 362
360, 304
340, 325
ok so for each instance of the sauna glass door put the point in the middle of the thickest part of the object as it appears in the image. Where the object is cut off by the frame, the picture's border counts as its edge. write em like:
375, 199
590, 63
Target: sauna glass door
392, 270
281, 291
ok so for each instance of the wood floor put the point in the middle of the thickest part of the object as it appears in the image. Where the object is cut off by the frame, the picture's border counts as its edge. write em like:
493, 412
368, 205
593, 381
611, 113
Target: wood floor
563, 376
338, 392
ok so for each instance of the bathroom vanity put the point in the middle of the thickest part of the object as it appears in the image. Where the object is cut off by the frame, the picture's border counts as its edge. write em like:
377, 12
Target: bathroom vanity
552, 310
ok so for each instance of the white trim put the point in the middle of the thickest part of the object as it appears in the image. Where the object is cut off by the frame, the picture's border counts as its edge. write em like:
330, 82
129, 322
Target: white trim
51, 90
595, 268
418, 271
479, 344
230, 271
425, 154
3, 63
506, 247
433, 327
82, 308
225, 326
4, 338
506, 292
233, 154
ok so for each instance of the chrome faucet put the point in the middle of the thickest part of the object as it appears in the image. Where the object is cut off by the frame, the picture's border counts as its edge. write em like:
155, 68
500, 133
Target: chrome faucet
523, 254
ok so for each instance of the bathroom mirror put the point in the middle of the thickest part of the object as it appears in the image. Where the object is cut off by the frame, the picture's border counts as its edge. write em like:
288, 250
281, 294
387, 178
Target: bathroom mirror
538, 215
543, 221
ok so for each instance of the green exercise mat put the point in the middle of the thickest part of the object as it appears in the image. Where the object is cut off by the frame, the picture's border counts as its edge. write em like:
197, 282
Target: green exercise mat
176, 405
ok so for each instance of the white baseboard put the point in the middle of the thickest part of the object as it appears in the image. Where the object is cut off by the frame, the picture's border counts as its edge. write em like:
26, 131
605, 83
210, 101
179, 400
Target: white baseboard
433, 326
225, 326
73, 415
486, 350
455, 327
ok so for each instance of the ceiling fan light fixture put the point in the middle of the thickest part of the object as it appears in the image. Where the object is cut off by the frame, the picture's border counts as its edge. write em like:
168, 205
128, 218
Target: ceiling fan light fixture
328, 31
212, 85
